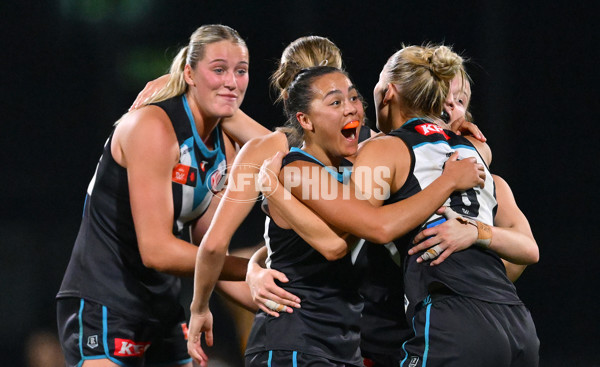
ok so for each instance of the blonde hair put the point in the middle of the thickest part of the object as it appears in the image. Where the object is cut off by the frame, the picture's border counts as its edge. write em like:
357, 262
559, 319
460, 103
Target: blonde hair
422, 75
191, 54
305, 52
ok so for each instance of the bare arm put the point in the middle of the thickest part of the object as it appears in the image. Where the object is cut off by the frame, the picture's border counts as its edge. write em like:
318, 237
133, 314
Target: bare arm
382, 224
145, 144
511, 226
236, 203
242, 128
512, 238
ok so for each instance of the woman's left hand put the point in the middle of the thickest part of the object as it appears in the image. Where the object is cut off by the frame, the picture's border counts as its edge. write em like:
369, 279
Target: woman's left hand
462, 126
200, 322
444, 239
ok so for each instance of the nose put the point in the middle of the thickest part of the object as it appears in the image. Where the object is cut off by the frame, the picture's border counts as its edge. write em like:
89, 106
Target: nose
230, 82
449, 102
350, 107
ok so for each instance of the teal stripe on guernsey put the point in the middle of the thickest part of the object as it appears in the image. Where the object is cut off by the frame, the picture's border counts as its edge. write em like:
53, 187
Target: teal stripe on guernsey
460, 146
270, 358
341, 177
417, 118
205, 151
295, 359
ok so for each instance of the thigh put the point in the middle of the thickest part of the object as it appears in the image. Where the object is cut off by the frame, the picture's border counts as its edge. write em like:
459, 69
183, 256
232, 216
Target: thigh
522, 335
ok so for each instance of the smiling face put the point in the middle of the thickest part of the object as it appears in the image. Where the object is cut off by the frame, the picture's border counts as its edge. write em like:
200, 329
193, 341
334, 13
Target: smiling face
334, 117
218, 82
457, 102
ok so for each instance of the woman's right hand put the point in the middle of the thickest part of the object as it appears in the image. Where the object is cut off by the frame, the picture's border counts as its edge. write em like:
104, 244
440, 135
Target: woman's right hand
267, 295
465, 173
269, 173
151, 88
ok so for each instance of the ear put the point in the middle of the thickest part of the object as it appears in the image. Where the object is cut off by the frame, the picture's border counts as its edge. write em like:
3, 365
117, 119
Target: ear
304, 121
188, 74
390, 91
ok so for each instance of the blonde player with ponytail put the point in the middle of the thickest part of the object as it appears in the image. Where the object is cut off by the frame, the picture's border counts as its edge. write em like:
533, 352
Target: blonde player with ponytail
118, 303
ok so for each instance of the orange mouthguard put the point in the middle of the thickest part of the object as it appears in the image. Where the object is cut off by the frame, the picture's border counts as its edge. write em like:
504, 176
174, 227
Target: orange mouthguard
351, 125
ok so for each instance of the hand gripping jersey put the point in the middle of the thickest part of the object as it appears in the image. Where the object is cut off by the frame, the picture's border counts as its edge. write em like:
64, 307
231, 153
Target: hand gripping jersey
106, 266
474, 272
327, 324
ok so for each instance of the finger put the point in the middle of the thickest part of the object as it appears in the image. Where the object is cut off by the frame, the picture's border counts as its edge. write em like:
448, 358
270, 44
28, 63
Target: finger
453, 157
432, 253
422, 236
208, 336
449, 213
196, 352
277, 307
267, 310
425, 245
441, 258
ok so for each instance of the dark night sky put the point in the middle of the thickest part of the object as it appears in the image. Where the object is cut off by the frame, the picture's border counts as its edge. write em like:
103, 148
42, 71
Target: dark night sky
66, 77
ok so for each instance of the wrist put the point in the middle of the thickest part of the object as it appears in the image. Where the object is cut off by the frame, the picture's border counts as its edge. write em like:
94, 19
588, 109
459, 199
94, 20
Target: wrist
484, 232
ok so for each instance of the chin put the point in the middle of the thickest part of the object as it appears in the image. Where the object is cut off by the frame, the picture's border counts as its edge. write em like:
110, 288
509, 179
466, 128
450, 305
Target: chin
227, 112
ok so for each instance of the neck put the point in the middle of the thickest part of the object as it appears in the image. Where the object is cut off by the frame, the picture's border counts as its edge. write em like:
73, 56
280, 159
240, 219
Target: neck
204, 125
321, 155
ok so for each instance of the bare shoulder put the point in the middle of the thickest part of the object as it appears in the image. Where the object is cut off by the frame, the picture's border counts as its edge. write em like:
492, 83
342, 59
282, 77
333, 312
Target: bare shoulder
382, 146
145, 131
483, 149
265, 146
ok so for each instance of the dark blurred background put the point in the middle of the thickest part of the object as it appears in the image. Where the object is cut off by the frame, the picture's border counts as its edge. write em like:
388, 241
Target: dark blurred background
70, 68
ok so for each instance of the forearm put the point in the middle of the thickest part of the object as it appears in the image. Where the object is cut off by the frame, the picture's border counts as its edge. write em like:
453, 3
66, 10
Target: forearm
400, 218
207, 271
243, 128
514, 246
234, 268
239, 293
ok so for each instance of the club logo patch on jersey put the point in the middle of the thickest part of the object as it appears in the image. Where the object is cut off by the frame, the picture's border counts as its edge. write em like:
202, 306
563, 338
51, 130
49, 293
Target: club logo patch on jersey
130, 348
428, 129
185, 175
217, 178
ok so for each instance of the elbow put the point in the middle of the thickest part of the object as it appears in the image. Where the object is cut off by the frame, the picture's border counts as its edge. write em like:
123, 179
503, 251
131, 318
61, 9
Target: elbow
380, 234
155, 261
534, 255
530, 257
213, 247
337, 251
